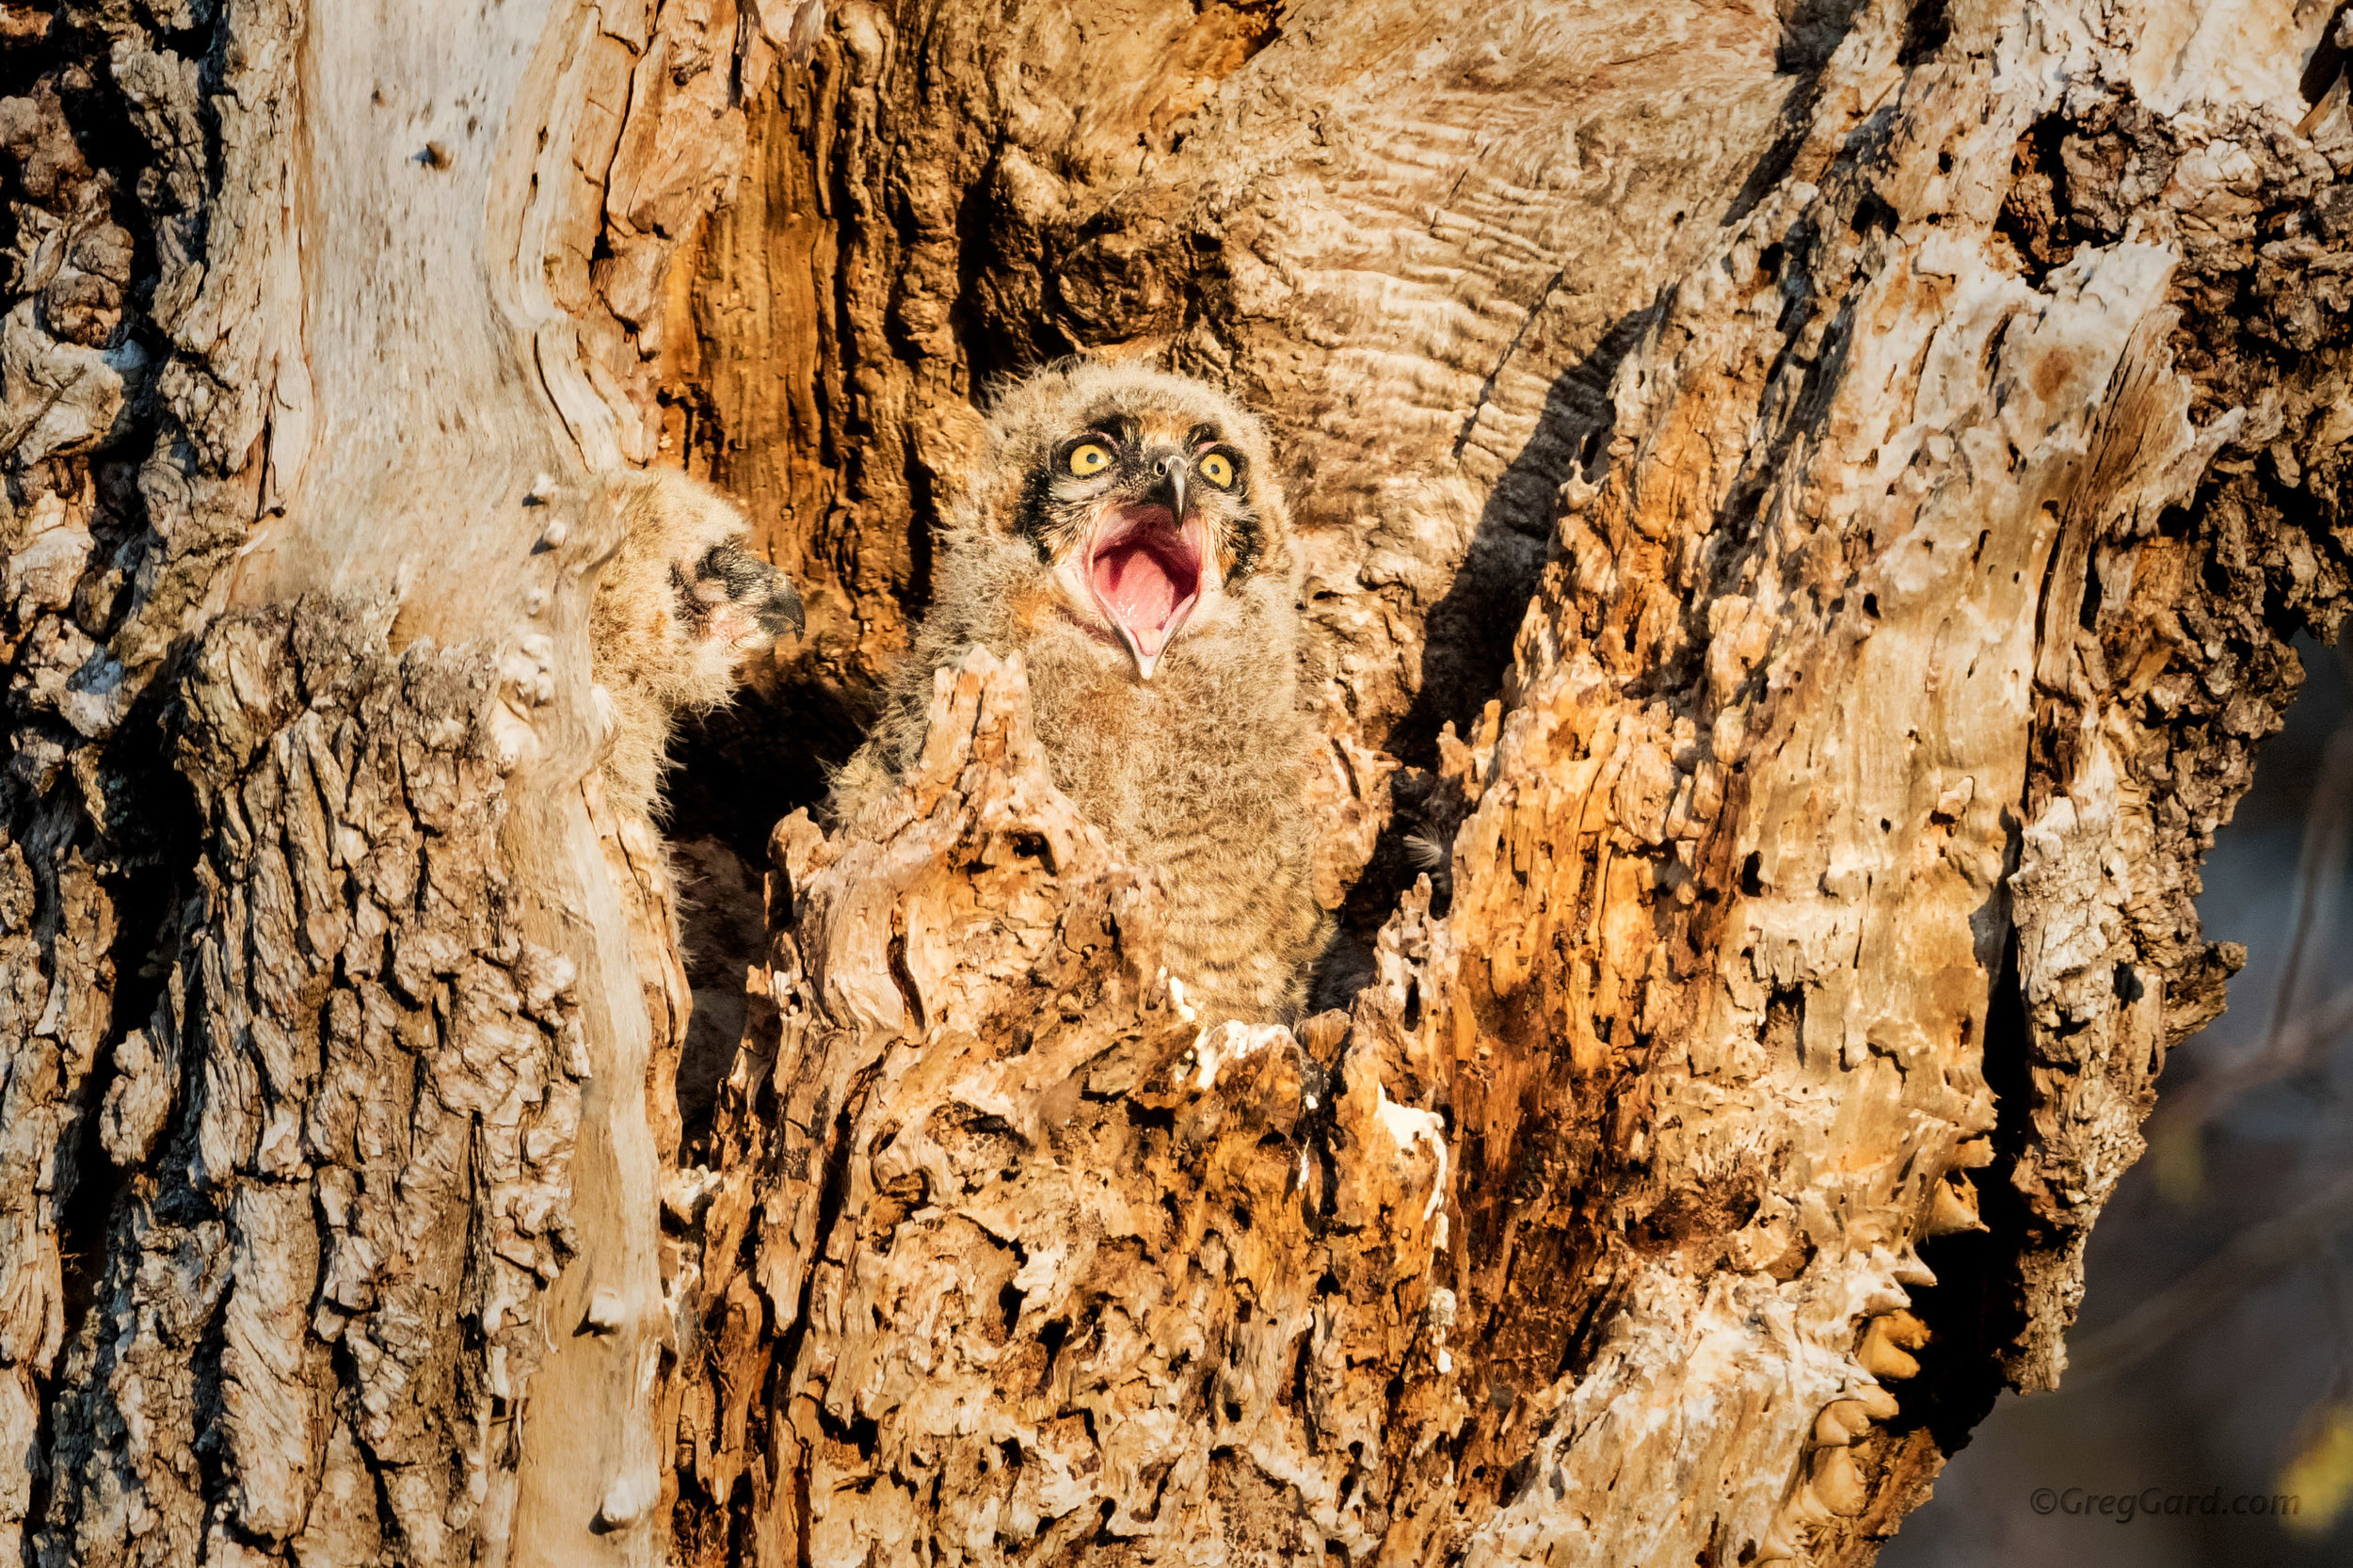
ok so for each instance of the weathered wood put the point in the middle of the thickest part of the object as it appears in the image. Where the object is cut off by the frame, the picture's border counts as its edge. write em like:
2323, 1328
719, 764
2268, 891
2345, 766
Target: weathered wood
325, 322
364, 1032
1805, 509
1911, 426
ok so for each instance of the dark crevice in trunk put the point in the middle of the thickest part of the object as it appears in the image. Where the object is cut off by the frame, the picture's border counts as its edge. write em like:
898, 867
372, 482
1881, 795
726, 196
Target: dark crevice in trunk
1973, 1312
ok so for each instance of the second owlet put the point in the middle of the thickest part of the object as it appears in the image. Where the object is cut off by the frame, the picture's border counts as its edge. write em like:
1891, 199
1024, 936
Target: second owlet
679, 608
1128, 537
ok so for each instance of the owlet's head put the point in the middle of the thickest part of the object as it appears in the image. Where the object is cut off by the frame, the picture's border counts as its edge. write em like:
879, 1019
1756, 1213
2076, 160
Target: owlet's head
1147, 499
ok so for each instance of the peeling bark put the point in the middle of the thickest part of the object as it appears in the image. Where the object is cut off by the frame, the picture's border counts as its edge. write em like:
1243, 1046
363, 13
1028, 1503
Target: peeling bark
1805, 509
326, 1090
1905, 424
367, 1034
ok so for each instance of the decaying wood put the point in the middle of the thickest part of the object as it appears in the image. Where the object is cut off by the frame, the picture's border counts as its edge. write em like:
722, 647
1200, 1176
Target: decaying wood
1096, 1285
352, 877
324, 320
1818, 913
1806, 507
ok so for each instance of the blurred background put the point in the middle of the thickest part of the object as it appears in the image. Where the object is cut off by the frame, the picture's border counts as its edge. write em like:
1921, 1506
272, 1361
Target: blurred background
2212, 1354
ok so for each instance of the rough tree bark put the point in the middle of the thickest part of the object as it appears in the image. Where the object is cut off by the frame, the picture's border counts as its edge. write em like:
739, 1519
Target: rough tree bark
327, 1121
1805, 505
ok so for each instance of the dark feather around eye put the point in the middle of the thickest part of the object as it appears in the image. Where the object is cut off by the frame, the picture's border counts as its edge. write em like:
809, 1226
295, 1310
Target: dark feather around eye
1247, 538
1031, 517
1118, 428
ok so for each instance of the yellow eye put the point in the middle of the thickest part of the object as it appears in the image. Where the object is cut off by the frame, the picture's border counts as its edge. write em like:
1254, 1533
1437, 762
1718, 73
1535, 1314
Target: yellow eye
1088, 459
1218, 470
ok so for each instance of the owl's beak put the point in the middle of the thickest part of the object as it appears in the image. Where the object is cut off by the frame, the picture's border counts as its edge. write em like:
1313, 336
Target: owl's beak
1173, 486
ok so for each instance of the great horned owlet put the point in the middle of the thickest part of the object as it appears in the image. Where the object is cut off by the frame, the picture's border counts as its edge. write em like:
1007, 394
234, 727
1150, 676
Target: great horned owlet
1127, 535
680, 607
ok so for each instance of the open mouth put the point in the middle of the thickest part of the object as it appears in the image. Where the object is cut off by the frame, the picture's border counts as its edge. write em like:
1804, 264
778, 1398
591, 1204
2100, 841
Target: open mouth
1145, 573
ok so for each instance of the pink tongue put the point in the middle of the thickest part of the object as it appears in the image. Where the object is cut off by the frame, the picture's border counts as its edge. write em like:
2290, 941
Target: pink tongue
1137, 588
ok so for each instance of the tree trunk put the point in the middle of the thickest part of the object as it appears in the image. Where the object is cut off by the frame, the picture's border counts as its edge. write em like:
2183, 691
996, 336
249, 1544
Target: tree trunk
1805, 512
332, 1131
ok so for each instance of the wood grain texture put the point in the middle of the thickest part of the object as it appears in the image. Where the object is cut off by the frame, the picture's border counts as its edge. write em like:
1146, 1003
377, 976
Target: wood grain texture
325, 324
354, 881
1804, 510
1910, 455
1047, 1242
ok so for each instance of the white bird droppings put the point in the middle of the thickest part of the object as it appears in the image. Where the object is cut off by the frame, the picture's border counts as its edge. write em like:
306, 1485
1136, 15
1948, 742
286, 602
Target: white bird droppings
1408, 1126
1231, 1041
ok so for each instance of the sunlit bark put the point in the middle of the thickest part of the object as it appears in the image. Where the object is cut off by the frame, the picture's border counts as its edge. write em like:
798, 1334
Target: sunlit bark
1804, 510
